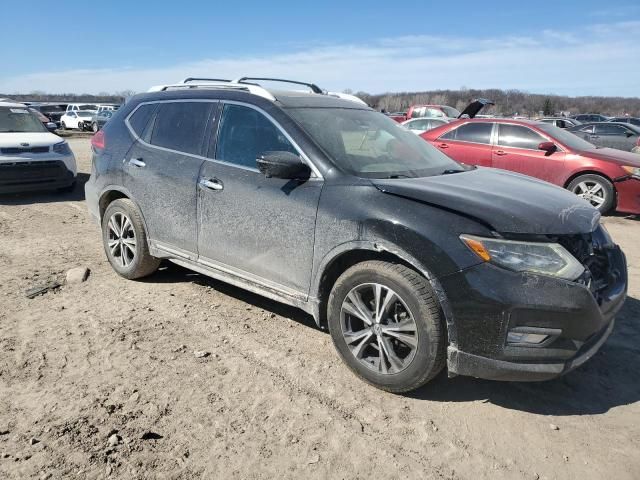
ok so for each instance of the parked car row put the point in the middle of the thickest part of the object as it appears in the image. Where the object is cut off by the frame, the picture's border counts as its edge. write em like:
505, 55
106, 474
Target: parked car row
85, 116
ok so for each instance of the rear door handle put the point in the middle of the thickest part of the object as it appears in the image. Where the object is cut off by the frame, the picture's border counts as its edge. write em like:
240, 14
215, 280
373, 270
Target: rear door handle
211, 183
443, 145
137, 162
500, 152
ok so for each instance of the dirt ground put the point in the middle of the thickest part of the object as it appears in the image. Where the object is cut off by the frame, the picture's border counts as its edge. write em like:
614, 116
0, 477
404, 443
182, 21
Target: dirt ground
100, 380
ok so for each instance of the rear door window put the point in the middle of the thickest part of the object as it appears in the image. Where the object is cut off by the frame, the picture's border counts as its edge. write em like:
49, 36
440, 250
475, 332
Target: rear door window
181, 126
517, 136
471, 132
245, 133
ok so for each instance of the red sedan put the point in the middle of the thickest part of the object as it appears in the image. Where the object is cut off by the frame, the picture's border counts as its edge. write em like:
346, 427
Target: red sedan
608, 178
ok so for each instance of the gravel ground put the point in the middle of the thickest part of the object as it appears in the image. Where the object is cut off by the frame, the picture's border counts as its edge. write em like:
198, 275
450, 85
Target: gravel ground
180, 376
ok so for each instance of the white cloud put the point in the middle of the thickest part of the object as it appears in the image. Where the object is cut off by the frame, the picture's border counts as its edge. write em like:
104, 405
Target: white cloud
595, 60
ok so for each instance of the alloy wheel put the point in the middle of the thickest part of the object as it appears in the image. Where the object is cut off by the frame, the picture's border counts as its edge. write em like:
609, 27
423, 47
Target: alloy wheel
379, 328
122, 239
592, 191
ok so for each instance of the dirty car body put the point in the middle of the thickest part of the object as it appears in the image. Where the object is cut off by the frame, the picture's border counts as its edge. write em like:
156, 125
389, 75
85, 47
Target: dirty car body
372, 192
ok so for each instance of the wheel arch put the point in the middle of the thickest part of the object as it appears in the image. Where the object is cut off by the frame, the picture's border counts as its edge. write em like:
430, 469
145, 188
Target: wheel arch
600, 174
346, 255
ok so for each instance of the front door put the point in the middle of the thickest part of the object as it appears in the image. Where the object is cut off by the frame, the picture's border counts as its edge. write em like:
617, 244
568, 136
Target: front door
259, 228
161, 172
517, 150
614, 136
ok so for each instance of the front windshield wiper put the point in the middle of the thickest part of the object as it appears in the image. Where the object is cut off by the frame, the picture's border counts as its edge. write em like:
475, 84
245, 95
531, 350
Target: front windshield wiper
449, 171
398, 175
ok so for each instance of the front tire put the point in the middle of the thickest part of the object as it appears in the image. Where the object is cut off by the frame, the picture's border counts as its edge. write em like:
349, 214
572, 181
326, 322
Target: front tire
64, 126
94, 127
125, 240
595, 189
385, 322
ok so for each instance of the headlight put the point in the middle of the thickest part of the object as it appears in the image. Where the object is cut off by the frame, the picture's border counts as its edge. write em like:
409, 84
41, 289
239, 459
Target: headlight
633, 171
62, 148
545, 258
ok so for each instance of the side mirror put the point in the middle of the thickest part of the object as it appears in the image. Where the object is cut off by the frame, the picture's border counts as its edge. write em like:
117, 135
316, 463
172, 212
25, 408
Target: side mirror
548, 147
51, 126
285, 165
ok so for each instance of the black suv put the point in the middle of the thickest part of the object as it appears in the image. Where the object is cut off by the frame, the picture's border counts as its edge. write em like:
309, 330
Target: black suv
411, 260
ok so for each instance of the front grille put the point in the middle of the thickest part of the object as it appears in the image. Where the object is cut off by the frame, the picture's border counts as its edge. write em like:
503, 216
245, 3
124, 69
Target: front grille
19, 150
22, 173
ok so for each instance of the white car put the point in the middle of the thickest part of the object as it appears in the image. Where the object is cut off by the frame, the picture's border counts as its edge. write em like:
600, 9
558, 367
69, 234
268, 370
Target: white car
421, 125
80, 119
31, 157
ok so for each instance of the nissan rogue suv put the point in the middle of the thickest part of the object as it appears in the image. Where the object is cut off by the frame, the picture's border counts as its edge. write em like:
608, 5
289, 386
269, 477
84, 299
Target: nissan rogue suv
411, 260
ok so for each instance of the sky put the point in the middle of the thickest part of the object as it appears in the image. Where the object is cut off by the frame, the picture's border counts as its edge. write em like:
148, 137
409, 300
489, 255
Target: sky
570, 48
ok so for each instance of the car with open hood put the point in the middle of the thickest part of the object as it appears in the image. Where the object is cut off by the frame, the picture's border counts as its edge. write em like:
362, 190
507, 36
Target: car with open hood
609, 179
413, 261
442, 112
31, 157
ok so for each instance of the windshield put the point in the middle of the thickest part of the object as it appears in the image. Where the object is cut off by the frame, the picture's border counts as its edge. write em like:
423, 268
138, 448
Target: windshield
19, 120
88, 107
368, 144
566, 138
451, 112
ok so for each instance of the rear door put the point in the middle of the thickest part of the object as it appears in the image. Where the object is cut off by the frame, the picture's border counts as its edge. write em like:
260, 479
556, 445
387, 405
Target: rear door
261, 229
517, 150
161, 170
469, 143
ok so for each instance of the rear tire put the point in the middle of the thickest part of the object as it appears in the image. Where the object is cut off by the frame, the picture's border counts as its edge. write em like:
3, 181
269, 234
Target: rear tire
125, 240
595, 189
410, 332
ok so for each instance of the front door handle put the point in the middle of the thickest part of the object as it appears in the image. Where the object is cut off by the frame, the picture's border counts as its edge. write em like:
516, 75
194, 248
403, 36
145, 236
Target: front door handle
211, 183
500, 153
137, 162
443, 145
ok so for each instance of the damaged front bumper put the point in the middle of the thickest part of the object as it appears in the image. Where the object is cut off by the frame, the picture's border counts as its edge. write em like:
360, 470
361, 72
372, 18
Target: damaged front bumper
488, 303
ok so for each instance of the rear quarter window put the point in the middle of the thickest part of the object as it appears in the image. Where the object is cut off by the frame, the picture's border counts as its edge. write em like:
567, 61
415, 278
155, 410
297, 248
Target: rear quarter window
140, 118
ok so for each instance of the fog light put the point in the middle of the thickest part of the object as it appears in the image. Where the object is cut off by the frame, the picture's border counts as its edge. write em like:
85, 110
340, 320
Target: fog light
523, 337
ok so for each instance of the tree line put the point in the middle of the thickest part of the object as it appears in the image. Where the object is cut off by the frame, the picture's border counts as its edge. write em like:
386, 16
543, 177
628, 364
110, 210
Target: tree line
507, 102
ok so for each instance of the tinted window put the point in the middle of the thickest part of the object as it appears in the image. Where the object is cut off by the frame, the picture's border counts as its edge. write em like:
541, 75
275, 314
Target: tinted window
245, 133
519, 137
471, 132
610, 130
140, 118
181, 125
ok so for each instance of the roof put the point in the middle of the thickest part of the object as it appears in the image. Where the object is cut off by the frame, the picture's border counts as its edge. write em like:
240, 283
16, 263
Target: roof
314, 97
12, 104
496, 120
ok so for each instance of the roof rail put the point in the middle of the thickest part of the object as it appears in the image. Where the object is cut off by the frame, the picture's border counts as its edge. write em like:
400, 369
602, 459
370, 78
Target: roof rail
216, 84
198, 79
314, 88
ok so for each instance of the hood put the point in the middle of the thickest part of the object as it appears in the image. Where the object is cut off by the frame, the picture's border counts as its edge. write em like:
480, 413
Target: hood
618, 157
474, 108
508, 202
34, 139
